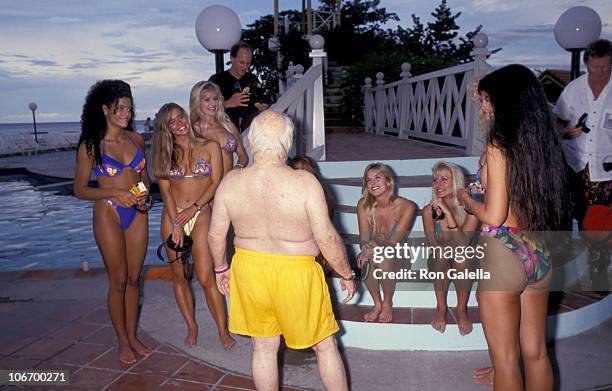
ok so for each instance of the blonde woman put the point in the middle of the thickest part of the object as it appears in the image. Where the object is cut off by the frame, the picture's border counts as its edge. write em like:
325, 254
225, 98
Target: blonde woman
209, 121
188, 170
446, 223
384, 220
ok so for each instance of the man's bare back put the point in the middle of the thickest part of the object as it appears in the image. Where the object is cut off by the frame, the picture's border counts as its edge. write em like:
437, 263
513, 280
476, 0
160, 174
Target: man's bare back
275, 209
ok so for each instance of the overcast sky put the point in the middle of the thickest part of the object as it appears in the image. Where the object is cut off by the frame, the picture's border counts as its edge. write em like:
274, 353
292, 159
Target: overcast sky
52, 51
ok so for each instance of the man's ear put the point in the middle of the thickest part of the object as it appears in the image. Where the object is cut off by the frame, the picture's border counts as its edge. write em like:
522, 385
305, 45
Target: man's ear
105, 109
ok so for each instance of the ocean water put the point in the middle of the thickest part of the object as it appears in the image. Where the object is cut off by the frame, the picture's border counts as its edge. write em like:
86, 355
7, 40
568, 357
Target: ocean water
50, 127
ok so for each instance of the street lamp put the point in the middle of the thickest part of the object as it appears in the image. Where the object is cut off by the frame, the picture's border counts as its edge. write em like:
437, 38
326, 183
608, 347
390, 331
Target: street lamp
575, 29
218, 29
33, 106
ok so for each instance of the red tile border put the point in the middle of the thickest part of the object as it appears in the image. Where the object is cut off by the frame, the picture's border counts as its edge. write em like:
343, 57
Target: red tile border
136, 382
160, 364
195, 371
42, 349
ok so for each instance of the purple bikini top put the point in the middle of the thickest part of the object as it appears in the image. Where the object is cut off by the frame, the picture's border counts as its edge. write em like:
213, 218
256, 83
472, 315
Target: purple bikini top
111, 167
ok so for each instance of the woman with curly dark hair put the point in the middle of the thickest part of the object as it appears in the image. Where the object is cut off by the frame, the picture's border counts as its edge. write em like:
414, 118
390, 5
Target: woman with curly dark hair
115, 153
522, 176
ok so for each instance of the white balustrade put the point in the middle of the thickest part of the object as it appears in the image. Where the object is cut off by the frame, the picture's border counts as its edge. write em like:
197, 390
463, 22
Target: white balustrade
436, 106
302, 100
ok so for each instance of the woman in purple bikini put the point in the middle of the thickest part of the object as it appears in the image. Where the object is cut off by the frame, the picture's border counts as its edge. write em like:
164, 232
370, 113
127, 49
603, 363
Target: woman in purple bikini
522, 177
111, 148
209, 121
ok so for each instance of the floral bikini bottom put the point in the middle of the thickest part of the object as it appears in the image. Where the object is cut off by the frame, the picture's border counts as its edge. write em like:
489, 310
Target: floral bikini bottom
532, 254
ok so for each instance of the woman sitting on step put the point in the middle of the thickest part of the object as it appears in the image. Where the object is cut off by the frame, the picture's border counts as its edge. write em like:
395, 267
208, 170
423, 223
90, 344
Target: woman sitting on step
446, 223
384, 220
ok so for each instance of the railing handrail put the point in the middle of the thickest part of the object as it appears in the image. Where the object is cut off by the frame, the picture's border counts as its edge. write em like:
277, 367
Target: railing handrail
435, 106
302, 100
297, 89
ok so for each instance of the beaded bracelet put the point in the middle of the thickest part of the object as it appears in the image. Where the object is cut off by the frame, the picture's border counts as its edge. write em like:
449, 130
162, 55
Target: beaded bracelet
223, 270
452, 227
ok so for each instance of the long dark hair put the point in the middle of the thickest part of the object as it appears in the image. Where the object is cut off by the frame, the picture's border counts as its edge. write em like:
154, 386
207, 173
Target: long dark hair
93, 121
523, 129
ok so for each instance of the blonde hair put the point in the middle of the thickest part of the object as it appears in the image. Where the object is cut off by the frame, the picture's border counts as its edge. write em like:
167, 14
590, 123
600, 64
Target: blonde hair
271, 132
196, 115
165, 157
369, 201
458, 183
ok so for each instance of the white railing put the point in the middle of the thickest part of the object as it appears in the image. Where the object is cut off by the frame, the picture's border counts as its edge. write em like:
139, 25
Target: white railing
436, 106
302, 100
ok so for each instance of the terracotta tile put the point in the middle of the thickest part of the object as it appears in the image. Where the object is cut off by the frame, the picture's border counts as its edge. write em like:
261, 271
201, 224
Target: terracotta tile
136, 382
574, 301
174, 384
91, 379
199, 372
168, 349
12, 343
104, 336
149, 341
402, 315
160, 363
39, 326
49, 366
224, 388
425, 315
73, 311
42, 349
99, 315
79, 353
17, 363
75, 331
237, 381
110, 360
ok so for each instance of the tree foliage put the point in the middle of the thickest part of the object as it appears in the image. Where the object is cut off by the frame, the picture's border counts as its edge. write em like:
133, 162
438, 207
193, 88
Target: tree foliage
362, 43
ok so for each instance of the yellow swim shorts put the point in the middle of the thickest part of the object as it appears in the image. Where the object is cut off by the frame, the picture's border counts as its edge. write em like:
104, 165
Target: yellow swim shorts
274, 294
188, 226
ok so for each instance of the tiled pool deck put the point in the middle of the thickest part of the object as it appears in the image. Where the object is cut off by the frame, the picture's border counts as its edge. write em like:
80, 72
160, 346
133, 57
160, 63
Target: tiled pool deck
58, 320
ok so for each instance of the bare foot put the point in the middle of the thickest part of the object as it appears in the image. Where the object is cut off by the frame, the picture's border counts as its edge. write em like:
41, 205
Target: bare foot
439, 320
386, 315
464, 322
227, 341
126, 355
140, 348
191, 340
372, 315
483, 375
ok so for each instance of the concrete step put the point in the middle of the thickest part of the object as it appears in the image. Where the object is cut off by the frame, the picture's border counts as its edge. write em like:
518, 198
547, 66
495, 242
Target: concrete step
333, 91
327, 99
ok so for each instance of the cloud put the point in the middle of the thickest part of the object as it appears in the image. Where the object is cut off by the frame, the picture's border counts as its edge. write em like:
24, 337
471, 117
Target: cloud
45, 63
62, 19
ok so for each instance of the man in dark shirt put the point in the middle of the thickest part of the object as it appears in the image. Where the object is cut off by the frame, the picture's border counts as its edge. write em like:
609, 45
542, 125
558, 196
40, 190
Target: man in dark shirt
240, 88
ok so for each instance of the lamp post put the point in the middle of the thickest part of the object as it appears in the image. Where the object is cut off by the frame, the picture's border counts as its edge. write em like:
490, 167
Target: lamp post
218, 29
575, 29
33, 106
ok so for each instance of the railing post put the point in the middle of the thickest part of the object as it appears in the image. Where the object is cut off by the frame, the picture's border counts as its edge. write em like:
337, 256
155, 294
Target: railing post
404, 100
315, 147
368, 105
475, 141
380, 99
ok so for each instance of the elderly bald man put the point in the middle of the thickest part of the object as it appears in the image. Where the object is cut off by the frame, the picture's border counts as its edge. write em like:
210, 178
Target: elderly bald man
275, 285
